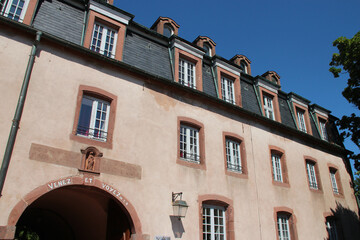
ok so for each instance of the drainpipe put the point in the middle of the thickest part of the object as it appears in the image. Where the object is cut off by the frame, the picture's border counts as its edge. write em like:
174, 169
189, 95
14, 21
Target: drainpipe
171, 63
85, 24
292, 113
258, 99
316, 125
17, 116
215, 79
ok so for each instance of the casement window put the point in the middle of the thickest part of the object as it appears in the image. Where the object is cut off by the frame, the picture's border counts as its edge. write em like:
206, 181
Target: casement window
103, 40
300, 114
189, 143
187, 73
322, 128
233, 155
268, 107
94, 118
168, 30
283, 226
311, 173
276, 167
333, 182
207, 49
227, 90
331, 228
14, 9
214, 223
244, 67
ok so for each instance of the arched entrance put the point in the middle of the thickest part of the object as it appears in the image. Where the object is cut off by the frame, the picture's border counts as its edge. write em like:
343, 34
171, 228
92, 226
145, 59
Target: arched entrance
76, 211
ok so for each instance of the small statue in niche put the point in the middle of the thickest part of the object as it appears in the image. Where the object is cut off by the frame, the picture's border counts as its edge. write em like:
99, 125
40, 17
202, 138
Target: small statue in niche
90, 161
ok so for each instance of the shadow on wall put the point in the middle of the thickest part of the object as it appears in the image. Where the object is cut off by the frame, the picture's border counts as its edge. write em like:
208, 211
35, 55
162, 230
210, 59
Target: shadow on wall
177, 226
344, 223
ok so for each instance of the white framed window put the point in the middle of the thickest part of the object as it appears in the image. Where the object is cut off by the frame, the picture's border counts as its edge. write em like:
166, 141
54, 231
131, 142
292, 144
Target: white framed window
331, 228
333, 182
168, 30
233, 155
276, 165
93, 118
322, 126
227, 90
207, 49
301, 120
103, 40
311, 172
283, 227
189, 143
243, 67
214, 223
268, 107
14, 9
187, 73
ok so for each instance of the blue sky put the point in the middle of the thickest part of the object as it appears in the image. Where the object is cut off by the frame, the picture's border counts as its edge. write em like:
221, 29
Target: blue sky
293, 38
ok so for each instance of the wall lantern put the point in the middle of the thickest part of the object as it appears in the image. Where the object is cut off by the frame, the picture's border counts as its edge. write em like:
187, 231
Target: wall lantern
179, 206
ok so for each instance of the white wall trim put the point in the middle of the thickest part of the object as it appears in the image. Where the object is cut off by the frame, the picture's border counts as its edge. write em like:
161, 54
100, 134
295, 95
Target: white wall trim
299, 103
189, 49
267, 87
321, 113
237, 73
120, 18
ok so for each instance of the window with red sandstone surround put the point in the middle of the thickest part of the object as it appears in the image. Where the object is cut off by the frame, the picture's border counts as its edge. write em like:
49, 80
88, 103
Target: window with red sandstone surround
313, 174
279, 167
191, 149
235, 155
216, 217
14, 9
335, 180
285, 224
94, 117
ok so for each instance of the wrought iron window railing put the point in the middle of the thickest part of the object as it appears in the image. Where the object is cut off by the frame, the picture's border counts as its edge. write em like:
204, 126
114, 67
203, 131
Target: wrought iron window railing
188, 84
313, 185
191, 157
91, 133
234, 167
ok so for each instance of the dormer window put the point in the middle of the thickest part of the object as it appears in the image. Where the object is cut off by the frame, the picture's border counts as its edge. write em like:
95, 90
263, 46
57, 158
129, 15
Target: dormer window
268, 106
103, 40
243, 63
165, 26
272, 76
243, 67
15, 9
168, 30
322, 126
207, 49
187, 73
207, 44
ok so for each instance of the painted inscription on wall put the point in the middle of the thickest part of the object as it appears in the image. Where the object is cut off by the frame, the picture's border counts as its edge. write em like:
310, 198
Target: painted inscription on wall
115, 193
60, 183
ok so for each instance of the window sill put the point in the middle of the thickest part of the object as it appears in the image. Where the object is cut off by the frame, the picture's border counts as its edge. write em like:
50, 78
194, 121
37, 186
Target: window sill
338, 195
192, 164
281, 184
236, 174
315, 190
91, 142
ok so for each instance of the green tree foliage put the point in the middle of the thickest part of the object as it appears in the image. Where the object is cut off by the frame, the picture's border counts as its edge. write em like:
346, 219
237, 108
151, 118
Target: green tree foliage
348, 61
357, 185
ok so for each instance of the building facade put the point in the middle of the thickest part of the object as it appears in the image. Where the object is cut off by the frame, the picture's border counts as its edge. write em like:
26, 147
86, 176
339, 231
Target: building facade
114, 117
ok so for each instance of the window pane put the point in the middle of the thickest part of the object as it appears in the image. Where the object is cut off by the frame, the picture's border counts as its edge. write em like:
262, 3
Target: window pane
93, 118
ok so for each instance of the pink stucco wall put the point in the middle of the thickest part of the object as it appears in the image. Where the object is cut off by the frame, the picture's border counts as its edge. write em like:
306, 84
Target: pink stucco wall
145, 134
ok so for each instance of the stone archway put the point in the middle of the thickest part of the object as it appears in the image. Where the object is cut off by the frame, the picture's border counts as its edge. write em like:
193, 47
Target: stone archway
77, 207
